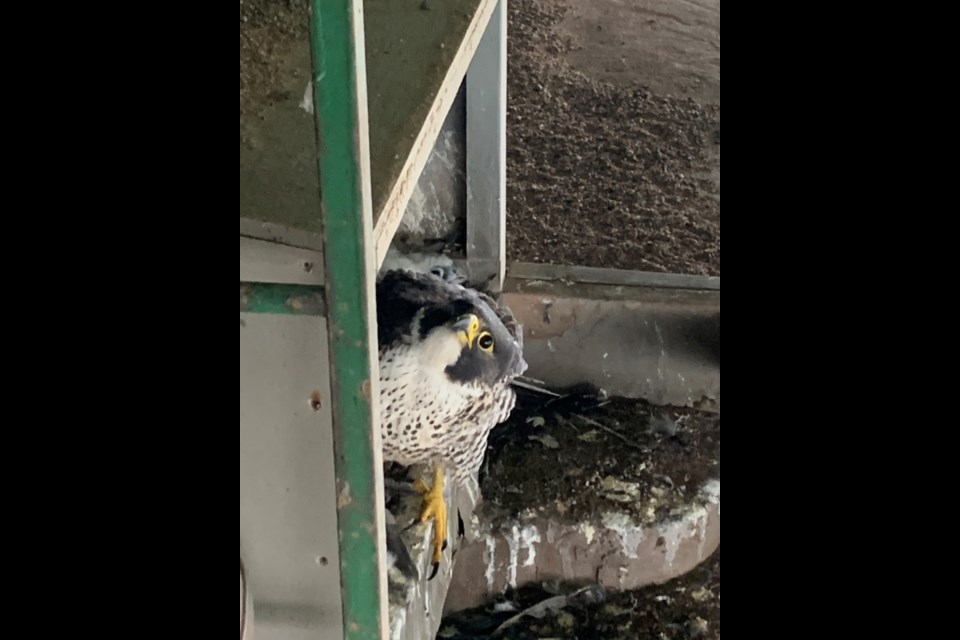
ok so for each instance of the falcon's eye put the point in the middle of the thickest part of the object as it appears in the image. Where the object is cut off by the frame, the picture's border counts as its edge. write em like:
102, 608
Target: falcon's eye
486, 342
437, 271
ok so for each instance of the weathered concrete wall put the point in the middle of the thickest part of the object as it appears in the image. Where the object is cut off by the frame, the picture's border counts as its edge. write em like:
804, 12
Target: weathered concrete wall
659, 344
609, 549
437, 208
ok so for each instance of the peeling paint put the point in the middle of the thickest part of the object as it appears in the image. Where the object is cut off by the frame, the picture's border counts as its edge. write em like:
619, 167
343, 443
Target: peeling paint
491, 557
521, 539
711, 493
307, 103
631, 534
672, 534
528, 537
588, 531
343, 497
694, 522
427, 596
513, 542
701, 532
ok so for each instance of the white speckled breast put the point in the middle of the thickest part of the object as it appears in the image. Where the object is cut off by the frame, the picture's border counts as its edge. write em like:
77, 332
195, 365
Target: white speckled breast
425, 417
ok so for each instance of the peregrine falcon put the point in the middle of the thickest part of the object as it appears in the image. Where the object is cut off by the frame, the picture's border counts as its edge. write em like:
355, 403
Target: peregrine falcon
448, 356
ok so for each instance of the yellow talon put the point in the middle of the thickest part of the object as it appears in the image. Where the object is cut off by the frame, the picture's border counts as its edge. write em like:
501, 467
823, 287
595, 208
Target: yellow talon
435, 508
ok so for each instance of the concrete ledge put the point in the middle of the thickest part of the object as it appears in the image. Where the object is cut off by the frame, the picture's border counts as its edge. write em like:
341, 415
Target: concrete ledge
661, 345
610, 549
614, 277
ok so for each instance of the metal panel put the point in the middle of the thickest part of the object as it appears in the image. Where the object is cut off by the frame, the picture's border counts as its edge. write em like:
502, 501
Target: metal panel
262, 261
281, 234
288, 533
246, 608
487, 152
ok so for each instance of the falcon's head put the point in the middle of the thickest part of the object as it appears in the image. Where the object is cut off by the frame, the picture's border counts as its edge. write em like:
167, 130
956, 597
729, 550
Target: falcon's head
470, 342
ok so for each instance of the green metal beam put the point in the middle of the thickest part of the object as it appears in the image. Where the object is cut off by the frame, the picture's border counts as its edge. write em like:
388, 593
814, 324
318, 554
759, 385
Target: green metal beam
339, 81
282, 299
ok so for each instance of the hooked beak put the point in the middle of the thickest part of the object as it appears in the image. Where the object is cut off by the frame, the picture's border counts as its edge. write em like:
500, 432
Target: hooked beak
467, 328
